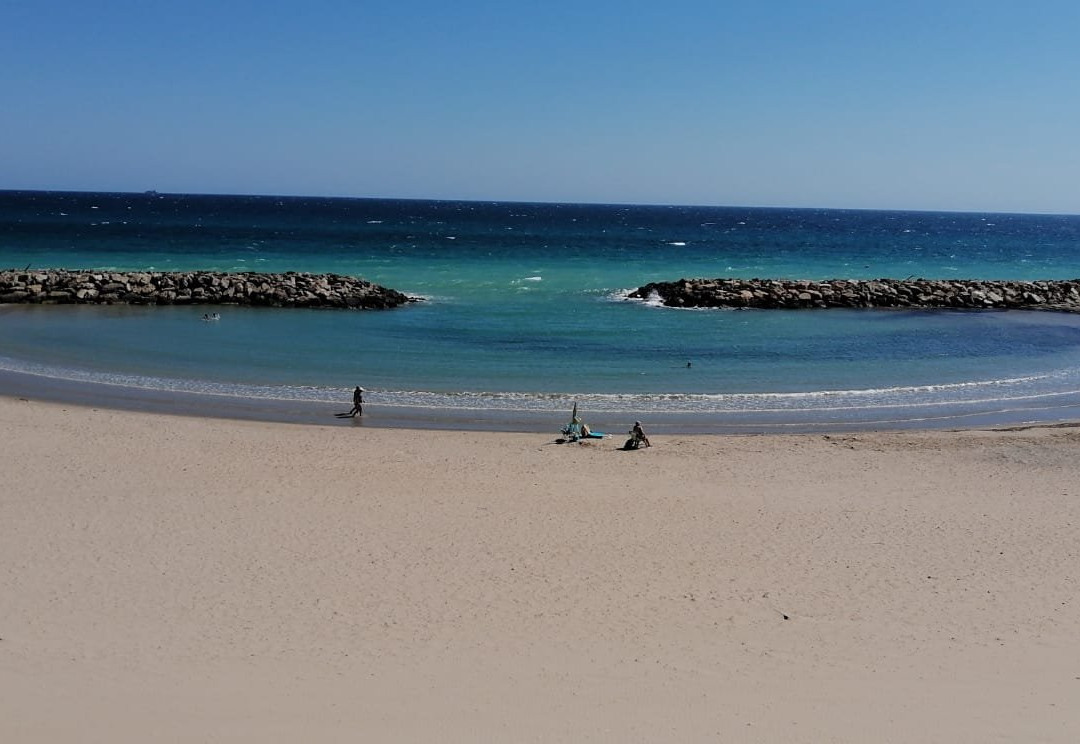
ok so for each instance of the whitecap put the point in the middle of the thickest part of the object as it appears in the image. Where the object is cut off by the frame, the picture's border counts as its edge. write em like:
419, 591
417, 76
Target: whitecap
653, 300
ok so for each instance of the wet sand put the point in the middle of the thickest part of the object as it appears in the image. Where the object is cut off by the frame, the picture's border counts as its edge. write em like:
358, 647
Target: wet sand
1033, 411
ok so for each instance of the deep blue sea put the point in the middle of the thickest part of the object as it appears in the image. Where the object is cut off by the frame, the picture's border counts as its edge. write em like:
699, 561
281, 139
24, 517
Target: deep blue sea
524, 311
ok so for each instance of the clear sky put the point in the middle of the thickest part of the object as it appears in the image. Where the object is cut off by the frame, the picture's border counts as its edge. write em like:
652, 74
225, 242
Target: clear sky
951, 105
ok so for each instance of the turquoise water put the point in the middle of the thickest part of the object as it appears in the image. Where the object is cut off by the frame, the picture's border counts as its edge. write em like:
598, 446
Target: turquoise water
524, 308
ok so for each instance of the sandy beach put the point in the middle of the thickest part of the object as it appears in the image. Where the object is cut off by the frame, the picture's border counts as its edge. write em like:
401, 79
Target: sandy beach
180, 579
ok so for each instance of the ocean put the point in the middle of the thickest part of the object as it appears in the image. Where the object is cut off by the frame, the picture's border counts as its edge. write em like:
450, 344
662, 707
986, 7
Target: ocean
524, 312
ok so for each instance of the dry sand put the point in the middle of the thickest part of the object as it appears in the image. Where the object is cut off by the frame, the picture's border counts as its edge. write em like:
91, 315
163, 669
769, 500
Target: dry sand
173, 579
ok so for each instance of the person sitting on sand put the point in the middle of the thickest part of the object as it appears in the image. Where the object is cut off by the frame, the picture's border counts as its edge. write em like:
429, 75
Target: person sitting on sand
637, 436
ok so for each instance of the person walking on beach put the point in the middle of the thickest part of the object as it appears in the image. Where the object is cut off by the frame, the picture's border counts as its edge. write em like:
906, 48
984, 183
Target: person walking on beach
357, 402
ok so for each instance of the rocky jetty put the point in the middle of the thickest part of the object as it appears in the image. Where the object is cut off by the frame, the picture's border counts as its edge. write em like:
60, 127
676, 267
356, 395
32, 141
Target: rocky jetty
291, 289
896, 293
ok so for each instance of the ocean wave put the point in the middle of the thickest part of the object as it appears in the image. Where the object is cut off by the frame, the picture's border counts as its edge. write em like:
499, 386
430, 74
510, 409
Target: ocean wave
988, 394
654, 301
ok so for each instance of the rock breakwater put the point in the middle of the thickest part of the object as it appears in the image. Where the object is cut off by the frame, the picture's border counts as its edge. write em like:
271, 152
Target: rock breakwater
849, 293
291, 289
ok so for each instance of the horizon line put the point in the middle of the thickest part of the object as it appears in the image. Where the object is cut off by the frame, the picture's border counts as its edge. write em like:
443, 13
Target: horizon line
154, 192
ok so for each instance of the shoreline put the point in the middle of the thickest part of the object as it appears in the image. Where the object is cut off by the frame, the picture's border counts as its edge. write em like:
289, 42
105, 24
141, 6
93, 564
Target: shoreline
206, 578
29, 386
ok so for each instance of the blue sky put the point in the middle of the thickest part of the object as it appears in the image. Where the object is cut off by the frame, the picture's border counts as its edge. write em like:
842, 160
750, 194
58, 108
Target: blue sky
945, 105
